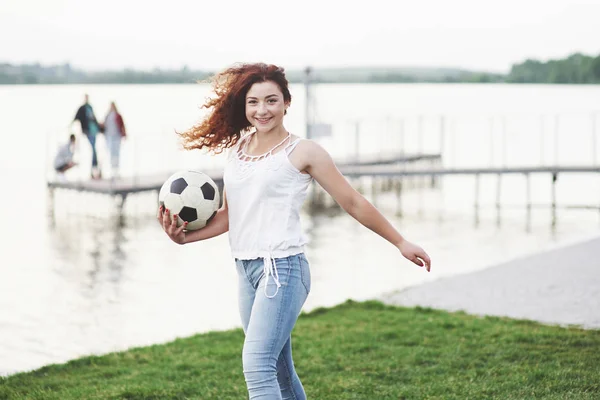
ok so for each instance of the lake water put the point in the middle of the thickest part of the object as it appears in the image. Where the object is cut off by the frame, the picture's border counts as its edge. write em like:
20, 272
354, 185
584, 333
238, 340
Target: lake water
78, 281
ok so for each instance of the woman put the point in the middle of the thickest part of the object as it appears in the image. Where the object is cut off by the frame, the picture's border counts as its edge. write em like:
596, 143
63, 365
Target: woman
266, 180
114, 129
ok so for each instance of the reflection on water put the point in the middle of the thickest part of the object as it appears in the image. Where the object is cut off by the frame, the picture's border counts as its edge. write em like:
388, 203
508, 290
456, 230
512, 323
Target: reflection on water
101, 283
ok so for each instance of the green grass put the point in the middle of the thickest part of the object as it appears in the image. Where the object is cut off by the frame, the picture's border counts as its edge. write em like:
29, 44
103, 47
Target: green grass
352, 351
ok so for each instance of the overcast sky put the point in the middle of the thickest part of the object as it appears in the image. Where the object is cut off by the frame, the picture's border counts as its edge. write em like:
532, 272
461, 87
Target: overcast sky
143, 34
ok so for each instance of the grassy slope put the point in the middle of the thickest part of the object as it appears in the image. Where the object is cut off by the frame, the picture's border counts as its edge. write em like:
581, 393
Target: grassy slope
353, 351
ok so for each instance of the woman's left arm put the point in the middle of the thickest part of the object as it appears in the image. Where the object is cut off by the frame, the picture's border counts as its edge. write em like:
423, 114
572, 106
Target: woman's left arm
319, 164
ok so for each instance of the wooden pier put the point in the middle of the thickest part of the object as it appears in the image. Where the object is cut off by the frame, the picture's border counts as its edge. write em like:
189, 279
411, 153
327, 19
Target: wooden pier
391, 168
123, 187
399, 172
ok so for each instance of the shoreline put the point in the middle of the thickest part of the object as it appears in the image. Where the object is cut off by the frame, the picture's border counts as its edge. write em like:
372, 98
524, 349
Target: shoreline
559, 286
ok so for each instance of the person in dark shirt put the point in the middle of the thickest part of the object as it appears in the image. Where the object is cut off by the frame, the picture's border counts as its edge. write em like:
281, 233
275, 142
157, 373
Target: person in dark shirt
90, 128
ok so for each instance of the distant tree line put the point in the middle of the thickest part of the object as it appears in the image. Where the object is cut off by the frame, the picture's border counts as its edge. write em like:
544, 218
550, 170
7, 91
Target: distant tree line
65, 74
575, 69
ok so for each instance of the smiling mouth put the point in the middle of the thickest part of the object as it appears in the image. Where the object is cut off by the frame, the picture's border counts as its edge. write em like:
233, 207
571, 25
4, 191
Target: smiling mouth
263, 120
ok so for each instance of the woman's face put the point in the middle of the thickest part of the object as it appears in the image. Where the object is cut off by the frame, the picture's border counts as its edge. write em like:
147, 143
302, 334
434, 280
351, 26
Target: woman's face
265, 106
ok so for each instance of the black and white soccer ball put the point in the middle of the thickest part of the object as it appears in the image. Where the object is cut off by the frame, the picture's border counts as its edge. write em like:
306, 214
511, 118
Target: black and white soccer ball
192, 195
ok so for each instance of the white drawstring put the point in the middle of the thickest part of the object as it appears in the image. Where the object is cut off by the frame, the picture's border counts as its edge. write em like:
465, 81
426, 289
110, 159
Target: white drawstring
270, 268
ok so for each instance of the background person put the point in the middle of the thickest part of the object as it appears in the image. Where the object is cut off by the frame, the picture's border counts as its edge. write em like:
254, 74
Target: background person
114, 129
90, 128
64, 158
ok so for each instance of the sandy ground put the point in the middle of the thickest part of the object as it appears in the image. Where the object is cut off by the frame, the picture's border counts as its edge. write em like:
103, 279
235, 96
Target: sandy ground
560, 287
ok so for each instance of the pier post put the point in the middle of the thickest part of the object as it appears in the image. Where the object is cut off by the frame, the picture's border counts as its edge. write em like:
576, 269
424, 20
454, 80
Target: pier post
504, 141
492, 153
554, 179
308, 117
498, 196
594, 141
356, 141
359, 184
556, 130
542, 140
399, 197
442, 133
420, 179
374, 190
420, 134
121, 203
476, 205
401, 141
528, 205
436, 178
357, 179
420, 189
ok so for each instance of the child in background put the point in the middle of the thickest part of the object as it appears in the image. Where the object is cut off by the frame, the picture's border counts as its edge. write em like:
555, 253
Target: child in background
64, 158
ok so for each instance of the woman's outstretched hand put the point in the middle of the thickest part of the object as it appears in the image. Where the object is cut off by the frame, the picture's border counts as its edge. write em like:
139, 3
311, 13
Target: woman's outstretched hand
169, 224
415, 254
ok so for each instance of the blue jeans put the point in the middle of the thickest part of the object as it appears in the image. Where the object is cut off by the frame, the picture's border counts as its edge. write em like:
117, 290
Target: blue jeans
92, 139
268, 323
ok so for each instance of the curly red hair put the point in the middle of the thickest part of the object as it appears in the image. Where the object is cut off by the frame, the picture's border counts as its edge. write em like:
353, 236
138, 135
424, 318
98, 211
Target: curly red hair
227, 121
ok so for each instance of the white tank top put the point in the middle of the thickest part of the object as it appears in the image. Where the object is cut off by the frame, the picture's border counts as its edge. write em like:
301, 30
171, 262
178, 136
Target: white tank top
264, 197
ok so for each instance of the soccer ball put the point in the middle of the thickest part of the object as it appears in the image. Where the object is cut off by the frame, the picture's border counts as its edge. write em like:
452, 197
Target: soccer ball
192, 195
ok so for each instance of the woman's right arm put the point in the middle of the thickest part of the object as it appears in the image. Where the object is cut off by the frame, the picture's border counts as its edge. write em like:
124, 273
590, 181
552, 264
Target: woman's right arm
217, 226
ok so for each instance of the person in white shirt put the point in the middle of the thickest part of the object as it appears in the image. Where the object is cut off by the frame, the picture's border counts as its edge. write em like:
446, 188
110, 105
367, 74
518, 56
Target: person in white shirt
267, 176
63, 160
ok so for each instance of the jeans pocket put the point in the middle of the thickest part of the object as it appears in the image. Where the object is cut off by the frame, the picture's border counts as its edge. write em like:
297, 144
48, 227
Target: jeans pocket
242, 270
283, 267
305, 272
